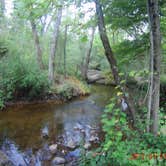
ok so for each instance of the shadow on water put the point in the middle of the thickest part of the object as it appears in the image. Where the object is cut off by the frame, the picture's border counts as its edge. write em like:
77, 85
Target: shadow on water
26, 130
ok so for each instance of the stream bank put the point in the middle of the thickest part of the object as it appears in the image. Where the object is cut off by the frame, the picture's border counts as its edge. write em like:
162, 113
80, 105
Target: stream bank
65, 89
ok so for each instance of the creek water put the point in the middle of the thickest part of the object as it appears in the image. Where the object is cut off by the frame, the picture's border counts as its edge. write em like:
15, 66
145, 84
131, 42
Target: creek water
28, 130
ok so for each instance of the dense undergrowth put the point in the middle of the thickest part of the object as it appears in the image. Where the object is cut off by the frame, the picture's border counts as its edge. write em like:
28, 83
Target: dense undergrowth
124, 145
20, 76
71, 86
21, 79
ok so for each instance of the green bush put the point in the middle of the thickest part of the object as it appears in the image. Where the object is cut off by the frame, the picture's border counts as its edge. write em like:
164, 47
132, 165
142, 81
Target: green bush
163, 80
66, 91
21, 79
125, 146
1, 99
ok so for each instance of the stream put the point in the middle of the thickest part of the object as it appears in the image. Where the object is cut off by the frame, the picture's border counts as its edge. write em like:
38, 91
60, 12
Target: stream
27, 131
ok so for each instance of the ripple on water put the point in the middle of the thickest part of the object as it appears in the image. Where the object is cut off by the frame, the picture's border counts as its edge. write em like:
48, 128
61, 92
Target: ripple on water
27, 131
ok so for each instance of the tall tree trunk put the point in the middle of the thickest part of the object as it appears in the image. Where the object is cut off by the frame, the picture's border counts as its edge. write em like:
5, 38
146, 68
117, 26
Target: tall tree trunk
111, 59
54, 46
37, 45
43, 21
113, 37
65, 41
155, 61
87, 58
2, 8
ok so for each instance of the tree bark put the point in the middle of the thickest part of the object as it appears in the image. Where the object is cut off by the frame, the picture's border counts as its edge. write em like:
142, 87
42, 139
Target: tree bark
111, 59
2, 8
113, 37
37, 45
106, 44
54, 46
65, 41
155, 61
87, 60
43, 21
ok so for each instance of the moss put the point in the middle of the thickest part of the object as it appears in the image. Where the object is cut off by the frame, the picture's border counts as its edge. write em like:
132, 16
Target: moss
78, 85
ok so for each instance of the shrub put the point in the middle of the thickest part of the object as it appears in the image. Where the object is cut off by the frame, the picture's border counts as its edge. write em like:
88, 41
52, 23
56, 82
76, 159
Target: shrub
20, 79
125, 146
66, 91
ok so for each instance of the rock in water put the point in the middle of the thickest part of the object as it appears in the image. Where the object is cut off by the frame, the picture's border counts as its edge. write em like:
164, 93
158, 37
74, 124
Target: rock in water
94, 75
71, 144
58, 160
4, 160
124, 105
44, 154
93, 138
87, 145
45, 132
78, 126
53, 148
74, 154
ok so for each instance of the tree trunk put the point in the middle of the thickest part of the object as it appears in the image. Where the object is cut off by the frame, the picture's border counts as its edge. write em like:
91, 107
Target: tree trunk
65, 40
2, 8
37, 45
111, 59
43, 21
87, 60
155, 61
113, 37
54, 46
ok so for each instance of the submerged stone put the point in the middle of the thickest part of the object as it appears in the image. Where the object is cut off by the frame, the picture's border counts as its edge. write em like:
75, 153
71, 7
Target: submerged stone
74, 154
4, 160
93, 138
45, 132
87, 145
53, 148
58, 160
71, 144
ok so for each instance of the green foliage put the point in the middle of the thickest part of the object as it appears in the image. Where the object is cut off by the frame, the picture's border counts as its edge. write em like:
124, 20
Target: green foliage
66, 91
109, 77
71, 87
31, 9
113, 122
132, 53
1, 99
21, 79
129, 15
163, 80
141, 73
125, 146
3, 49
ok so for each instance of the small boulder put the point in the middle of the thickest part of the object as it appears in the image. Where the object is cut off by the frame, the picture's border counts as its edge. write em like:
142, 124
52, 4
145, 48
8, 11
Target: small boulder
93, 138
82, 131
75, 128
87, 145
45, 132
53, 148
71, 144
58, 161
93, 132
44, 154
74, 154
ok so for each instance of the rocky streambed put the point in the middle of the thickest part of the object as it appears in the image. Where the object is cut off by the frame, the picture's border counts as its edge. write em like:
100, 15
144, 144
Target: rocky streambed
51, 134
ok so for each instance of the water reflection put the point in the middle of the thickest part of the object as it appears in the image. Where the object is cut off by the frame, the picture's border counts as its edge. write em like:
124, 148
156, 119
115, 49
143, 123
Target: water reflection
33, 128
